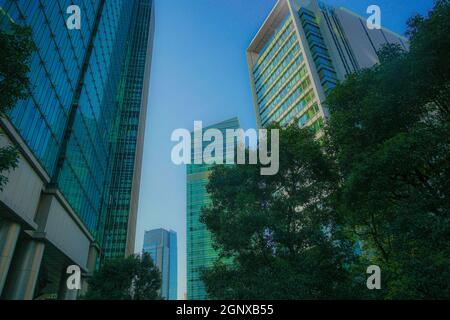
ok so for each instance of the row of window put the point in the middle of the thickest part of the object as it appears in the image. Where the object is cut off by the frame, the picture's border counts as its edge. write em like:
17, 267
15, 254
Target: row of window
319, 51
298, 108
270, 115
273, 46
278, 60
265, 95
298, 77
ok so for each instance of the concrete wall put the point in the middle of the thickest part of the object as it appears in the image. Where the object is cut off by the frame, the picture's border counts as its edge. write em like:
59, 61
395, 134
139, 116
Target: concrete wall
22, 192
363, 41
65, 234
356, 34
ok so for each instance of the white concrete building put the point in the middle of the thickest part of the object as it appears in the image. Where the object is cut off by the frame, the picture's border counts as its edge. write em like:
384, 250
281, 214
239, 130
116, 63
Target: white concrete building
301, 51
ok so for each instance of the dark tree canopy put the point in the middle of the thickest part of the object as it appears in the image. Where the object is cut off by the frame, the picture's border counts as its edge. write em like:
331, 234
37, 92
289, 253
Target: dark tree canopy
278, 236
131, 278
389, 132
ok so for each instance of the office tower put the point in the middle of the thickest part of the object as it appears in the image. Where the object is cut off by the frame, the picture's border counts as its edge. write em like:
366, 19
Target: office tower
162, 247
77, 135
120, 230
303, 49
200, 253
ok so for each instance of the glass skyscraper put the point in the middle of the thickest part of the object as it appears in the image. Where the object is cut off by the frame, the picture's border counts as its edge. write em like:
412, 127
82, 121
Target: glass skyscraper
200, 253
80, 138
162, 247
303, 49
126, 168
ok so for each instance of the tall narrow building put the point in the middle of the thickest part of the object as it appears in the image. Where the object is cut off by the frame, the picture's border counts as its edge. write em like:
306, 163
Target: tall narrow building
120, 226
162, 247
303, 49
73, 197
200, 253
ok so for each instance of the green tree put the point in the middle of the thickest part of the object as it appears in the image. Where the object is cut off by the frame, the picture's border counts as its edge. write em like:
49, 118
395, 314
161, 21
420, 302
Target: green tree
389, 133
131, 278
16, 48
279, 232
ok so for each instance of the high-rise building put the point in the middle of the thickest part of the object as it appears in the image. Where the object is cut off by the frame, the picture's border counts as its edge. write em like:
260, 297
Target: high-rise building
200, 252
74, 194
303, 49
162, 247
120, 226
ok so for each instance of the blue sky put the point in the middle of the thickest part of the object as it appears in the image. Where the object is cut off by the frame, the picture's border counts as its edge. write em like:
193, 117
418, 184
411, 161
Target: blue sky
199, 72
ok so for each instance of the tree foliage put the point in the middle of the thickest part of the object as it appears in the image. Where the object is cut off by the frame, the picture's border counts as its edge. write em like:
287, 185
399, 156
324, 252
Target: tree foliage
279, 232
131, 278
16, 48
375, 191
389, 132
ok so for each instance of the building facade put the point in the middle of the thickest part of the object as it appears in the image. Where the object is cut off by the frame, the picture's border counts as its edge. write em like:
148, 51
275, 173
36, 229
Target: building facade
200, 252
86, 114
303, 49
162, 247
120, 226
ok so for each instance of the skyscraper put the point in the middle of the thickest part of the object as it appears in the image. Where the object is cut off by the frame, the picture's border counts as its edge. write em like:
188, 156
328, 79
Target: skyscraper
120, 227
200, 253
73, 197
162, 247
303, 49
